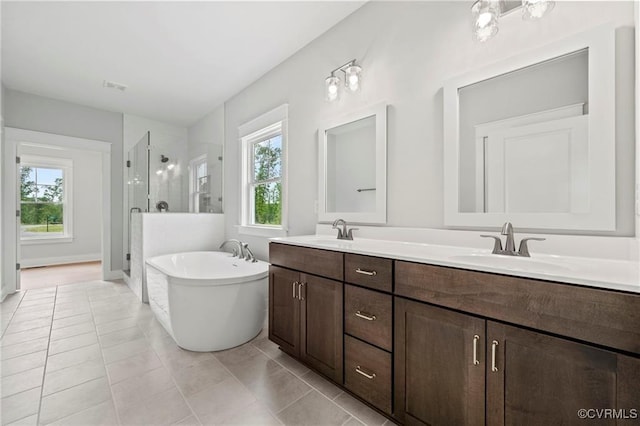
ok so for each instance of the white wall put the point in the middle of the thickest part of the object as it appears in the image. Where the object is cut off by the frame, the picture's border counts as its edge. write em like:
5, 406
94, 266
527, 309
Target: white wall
37, 113
407, 50
87, 215
3, 284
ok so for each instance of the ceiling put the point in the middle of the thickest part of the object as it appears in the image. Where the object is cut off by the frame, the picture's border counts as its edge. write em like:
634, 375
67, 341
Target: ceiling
179, 60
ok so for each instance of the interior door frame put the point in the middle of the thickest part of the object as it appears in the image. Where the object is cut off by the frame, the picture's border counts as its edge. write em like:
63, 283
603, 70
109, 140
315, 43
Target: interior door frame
13, 138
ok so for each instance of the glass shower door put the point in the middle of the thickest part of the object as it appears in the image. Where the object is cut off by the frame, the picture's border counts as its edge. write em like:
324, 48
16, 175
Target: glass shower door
138, 184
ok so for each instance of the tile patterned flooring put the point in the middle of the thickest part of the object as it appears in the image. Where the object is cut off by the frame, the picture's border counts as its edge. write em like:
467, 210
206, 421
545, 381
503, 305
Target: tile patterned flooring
92, 354
48, 276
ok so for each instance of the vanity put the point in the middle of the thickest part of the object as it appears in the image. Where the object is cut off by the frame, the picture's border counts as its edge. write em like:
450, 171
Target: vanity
425, 336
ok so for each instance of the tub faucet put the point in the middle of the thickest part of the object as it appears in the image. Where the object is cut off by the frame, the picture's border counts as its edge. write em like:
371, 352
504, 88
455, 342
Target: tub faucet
236, 251
344, 233
248, 256
509, 245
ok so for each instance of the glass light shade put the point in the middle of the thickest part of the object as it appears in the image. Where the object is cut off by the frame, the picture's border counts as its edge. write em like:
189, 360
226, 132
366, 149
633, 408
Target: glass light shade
485, 19
536, 9
352, 77
331, 85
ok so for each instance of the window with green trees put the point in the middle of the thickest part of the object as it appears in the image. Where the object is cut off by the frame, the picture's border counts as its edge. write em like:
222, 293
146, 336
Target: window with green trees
42, 202
266, 180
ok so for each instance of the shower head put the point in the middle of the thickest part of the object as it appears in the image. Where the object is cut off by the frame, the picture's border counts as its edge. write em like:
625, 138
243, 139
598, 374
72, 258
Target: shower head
163, 159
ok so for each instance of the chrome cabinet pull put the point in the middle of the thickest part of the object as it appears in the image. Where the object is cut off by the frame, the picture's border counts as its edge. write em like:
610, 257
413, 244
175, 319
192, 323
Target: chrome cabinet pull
365, 272
494, 345
293, 288
300, 285
366, 316
369, 376
475, 349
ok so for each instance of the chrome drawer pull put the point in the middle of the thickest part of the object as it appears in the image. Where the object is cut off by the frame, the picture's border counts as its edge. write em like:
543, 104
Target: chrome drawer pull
364, 272
475, 349
494, 345
365, 374
366, 316
300, 285
293, 286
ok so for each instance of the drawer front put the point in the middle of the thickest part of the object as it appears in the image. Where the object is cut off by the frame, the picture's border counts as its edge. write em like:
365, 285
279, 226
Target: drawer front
325, 263
372, 272
367, 373
368, 315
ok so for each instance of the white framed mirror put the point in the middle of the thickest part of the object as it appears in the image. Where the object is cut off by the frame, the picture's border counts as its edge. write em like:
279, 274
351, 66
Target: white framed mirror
531, 139
352, 167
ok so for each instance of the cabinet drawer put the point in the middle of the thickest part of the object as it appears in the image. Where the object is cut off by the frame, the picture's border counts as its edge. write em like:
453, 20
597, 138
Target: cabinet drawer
367, 372
368, 315
314, 261
373, 272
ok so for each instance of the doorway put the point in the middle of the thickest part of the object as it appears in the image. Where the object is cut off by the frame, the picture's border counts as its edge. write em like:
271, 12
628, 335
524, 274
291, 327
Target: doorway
58, 188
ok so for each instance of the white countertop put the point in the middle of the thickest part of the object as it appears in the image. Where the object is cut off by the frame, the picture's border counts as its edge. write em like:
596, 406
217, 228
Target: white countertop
622, 275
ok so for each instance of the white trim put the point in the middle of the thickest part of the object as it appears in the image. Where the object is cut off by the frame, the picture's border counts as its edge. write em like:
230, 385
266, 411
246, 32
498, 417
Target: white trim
380, 215
112, 275
193, 163
602, 109
262, 125
59, 260
45, 240
14, 137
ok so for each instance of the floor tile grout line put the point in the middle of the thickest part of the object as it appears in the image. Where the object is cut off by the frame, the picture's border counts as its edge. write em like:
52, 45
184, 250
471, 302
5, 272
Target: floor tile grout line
13, 314
313, 387
46, 360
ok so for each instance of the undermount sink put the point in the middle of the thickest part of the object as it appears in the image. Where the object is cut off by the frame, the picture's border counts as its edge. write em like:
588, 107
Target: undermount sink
511, 262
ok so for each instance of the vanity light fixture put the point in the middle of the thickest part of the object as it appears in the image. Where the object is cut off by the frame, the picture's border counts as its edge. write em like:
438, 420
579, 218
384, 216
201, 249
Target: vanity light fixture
485, 14
352, 80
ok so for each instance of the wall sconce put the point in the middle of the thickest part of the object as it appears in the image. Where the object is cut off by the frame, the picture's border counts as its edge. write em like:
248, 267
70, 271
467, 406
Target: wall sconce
352, 80
485, 14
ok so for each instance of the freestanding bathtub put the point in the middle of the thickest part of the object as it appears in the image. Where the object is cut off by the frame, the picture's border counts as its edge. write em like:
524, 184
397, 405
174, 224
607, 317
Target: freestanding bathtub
208, 300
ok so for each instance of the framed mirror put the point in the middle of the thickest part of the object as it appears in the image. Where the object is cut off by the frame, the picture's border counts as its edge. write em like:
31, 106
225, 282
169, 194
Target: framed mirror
353, 167
531, 139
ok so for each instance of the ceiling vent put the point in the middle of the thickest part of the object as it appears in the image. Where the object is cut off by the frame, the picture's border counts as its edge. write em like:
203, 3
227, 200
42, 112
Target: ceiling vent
113, 85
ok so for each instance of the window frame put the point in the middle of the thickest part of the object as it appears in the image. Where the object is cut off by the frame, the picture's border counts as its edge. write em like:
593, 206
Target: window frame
193, 182
263, 128
66, 165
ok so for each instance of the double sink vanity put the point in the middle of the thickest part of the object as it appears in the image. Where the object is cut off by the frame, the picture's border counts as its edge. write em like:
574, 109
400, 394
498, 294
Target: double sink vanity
444, 335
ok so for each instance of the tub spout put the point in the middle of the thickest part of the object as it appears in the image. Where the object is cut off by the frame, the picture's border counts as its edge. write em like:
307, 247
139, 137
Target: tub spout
239, 251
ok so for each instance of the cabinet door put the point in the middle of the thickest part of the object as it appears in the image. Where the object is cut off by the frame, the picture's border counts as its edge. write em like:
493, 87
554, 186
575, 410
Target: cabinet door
321, 325
438, 381
538, 379
284, 309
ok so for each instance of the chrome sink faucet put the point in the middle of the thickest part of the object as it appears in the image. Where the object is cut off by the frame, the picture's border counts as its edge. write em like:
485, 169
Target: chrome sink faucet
509, 245
344, 233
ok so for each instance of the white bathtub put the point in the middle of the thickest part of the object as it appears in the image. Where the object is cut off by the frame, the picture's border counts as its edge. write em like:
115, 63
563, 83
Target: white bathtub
208, 300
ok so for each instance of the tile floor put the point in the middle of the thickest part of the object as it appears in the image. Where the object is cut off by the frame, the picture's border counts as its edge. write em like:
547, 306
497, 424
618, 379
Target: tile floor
91, 354
49, 276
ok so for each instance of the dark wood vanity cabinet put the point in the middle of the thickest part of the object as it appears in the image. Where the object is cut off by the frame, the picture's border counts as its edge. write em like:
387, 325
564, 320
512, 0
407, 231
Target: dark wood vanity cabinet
305, 315
432, 345
437, 381
465, 368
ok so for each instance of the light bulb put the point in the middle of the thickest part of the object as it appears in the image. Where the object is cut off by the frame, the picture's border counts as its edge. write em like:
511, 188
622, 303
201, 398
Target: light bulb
331, 85
536, 9
171, 166
352, 75
485, 19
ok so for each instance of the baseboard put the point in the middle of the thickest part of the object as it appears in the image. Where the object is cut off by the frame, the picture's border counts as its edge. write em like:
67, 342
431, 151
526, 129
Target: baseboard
61, 260
113, 275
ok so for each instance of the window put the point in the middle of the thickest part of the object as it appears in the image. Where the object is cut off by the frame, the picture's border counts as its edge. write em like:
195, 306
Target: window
199, 185
264, 149
45, 209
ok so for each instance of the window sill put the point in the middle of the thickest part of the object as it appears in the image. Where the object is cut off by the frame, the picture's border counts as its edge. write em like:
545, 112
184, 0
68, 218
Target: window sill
46, 240
262, 231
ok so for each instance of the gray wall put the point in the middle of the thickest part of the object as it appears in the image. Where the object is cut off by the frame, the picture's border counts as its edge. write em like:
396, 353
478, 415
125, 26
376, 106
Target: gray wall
407, 51
37, 113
